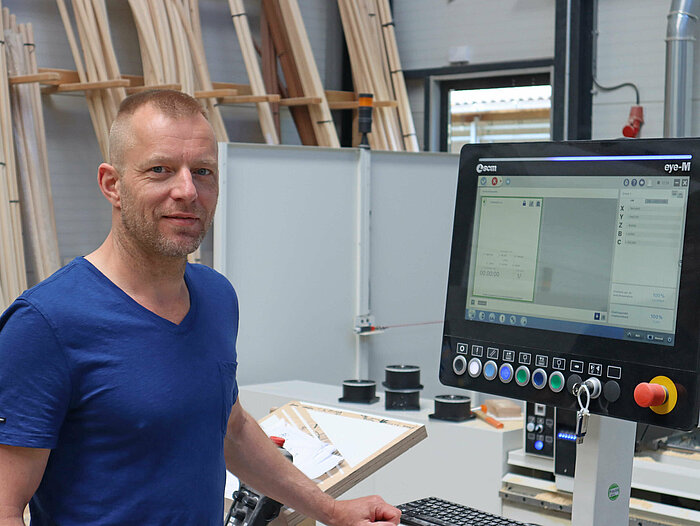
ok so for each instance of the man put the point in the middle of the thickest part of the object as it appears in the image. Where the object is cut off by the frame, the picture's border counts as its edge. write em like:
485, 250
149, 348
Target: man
118, 396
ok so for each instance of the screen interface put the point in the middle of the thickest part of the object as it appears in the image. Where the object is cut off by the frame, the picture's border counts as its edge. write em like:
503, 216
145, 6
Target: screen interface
595, 255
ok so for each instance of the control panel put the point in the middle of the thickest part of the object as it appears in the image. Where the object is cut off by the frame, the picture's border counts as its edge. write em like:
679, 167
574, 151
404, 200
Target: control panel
539, 430
624, 390
575, 268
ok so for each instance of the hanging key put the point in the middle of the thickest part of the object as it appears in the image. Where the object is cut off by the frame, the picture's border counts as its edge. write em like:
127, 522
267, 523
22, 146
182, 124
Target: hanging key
581, 424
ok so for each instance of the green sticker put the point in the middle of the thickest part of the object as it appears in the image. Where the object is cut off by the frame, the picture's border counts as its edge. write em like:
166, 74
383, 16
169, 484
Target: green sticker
613, 491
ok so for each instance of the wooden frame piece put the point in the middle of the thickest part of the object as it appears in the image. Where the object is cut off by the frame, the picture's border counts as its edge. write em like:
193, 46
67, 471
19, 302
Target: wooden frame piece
245, 40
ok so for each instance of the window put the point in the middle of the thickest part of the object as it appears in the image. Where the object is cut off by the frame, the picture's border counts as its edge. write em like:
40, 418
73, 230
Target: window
496, 109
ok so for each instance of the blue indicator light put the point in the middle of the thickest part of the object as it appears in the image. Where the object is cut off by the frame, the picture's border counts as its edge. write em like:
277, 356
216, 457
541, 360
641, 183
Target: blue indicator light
538, 378
562, 435
506, 373
539, 445
490, 370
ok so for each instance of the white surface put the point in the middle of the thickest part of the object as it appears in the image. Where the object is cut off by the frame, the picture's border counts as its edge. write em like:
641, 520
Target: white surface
344, 432
462, 462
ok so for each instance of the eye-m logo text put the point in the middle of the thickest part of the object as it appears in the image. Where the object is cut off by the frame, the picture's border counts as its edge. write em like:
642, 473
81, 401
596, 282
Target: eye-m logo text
481, 168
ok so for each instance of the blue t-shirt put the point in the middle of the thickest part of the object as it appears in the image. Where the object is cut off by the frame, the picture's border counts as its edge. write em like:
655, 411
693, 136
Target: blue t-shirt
134, 407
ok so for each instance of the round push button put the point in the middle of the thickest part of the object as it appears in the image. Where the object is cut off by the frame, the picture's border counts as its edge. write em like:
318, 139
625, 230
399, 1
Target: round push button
474, 367
522, 375
611, 391
539, 378
490, 370
650, 395
505, 373
459, 365
556, 381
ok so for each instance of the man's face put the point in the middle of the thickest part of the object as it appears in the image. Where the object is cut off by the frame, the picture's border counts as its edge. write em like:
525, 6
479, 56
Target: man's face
170, 183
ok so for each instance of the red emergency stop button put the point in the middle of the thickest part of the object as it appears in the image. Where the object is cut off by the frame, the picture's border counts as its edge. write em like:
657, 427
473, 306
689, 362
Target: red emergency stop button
650, 394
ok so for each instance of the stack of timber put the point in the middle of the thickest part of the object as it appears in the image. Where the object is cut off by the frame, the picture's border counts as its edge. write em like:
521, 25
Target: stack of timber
257, 86
97, 66
36, 202
376, 69
307, 98
13, 279
172, 53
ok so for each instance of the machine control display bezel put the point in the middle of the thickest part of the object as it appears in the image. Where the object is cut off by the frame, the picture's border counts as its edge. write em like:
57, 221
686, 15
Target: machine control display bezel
629, 361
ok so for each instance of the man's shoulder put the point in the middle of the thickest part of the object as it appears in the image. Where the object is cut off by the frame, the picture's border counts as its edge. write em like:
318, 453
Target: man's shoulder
64, 283
207, 276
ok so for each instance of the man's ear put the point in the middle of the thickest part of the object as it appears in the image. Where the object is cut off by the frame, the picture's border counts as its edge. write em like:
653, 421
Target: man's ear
108, 179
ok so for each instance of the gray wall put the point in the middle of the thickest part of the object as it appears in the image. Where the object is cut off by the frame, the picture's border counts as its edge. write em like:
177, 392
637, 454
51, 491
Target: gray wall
287, 218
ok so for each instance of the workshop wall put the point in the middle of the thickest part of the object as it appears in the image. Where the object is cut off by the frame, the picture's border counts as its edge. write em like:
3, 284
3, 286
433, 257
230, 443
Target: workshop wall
631, 48
82, 214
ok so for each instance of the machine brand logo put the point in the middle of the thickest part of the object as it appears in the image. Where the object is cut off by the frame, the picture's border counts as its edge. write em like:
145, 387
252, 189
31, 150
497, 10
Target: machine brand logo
613, 491
481, 168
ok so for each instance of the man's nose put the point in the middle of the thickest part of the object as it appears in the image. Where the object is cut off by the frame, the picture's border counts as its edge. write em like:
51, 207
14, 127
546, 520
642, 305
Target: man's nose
184, 187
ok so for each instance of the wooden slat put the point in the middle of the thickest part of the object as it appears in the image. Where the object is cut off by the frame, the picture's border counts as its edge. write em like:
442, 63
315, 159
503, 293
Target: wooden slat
90, 86
43, 78
271, 79
397, 78
280, 39
138, 89
300, 101
321, 118
215, 93
243, 99
240, 22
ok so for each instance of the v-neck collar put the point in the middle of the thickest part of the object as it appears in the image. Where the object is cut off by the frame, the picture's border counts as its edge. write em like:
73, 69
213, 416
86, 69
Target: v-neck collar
140, 310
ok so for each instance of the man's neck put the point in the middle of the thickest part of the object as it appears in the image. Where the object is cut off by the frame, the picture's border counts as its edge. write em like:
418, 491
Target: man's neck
155, 282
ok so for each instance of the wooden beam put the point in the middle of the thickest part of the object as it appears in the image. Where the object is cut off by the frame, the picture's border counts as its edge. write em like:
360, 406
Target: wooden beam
300, 101
242, 99
91, 86
280, 39
138, 89
215, 93
43, 78
245, 40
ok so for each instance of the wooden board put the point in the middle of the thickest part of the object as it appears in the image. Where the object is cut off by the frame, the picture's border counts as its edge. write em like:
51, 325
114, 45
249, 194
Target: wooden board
345, 476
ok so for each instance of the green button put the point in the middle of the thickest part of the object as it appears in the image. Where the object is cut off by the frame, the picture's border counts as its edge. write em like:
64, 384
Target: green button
521, 376
555, 382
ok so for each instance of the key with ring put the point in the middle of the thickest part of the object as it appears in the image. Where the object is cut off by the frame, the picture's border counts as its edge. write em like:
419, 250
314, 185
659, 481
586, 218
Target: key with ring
581, 424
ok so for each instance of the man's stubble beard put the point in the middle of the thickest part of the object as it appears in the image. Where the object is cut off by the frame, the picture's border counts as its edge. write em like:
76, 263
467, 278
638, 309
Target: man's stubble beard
145, 233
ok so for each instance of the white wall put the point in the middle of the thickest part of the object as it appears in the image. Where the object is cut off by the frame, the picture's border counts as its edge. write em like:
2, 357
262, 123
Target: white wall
82, 213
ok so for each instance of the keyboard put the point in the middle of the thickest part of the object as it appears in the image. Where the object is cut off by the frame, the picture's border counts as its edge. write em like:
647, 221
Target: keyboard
432, 511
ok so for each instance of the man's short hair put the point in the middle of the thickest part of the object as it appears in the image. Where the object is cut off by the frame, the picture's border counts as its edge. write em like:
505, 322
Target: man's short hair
171, 103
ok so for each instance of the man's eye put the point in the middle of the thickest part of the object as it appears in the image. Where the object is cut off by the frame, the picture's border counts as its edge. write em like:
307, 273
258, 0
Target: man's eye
158, 169
202, 171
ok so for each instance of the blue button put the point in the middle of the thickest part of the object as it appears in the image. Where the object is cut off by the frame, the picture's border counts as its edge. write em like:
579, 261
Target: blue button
490, 370
539, 445
539, 378
506, 373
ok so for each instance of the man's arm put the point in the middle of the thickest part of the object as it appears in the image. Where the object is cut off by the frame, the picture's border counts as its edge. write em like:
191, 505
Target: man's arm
21, 469
253, 458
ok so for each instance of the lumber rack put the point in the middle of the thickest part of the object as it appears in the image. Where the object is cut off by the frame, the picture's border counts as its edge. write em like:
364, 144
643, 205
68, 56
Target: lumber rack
56, 80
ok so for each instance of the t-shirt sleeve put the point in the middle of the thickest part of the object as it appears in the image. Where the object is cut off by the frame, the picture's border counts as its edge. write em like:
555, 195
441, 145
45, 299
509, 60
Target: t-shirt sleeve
35, 385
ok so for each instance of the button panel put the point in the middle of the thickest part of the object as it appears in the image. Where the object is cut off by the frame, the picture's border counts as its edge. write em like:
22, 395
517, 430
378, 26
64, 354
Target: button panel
484, 361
